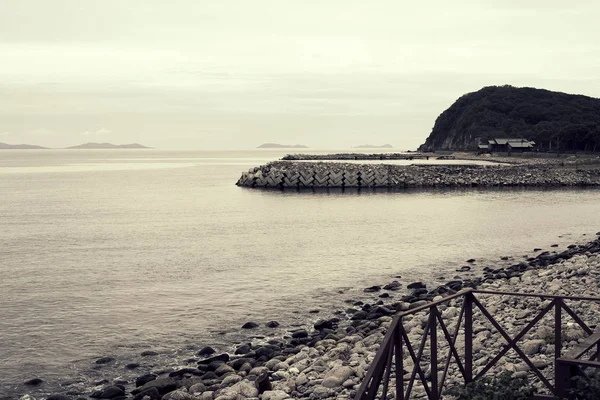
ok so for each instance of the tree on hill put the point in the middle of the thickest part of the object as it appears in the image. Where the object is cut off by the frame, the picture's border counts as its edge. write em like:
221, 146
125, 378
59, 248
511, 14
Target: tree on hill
554, 120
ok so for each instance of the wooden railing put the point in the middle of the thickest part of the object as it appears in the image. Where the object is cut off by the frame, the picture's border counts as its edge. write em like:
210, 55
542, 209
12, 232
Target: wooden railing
383, 380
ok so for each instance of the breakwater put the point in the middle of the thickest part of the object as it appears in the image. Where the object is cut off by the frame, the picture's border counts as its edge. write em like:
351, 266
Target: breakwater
307, 175
360, 156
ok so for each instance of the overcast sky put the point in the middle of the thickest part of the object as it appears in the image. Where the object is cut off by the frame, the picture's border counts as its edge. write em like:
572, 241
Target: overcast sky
194, 74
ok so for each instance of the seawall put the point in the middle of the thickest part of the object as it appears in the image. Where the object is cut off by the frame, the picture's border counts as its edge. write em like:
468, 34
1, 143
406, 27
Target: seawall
307, 175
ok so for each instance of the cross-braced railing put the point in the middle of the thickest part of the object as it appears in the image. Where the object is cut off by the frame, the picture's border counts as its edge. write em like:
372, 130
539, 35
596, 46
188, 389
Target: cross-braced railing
383, 380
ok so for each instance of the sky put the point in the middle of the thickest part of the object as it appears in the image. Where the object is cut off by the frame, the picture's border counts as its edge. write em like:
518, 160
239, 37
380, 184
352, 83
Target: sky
200, 74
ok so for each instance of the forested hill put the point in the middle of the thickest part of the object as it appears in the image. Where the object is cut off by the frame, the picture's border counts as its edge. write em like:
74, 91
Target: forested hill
551, 119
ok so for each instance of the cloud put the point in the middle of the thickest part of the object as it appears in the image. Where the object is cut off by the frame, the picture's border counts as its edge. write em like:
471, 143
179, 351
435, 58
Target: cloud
97, 132
41, 132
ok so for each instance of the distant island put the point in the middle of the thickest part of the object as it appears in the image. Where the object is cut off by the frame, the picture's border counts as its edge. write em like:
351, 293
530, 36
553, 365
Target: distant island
108, 146
370, 146
281, 146
6, 146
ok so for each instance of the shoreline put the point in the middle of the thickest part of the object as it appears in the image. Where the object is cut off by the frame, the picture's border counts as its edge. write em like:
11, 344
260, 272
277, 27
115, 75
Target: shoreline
330, 345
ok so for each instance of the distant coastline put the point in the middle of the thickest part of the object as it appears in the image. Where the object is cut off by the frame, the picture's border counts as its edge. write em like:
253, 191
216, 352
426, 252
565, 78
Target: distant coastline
108, 146
6, 146
281, 146
370, 146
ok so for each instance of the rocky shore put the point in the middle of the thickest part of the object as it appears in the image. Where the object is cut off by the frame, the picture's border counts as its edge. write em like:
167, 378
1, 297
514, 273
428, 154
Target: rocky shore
311, 175
330, 359
357, 156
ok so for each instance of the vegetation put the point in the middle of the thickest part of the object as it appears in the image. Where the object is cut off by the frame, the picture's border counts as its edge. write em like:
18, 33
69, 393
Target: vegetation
587, 388
555, 121
501, 387
505, 387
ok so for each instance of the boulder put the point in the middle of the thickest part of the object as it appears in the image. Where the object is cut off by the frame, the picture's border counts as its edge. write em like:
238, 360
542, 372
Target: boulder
142, 380
104, 360
197, 388
326, 324
302, 333
417, 285
163, 385
245, 388
275, 395
532, 347
111, 392
395, 285
230, 380
250, 325
152, 393
263, 383
206, 351
179, 395
337, 376
222, 358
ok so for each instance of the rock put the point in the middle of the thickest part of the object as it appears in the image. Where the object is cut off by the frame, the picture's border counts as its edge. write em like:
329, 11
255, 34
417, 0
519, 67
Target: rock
183, 371
142, 380
326, 324
111, 392
223, 358
466, 268
243, 349
58, 397
275, 395
265, 352
302, 333
230, 380
179, 395
245, 388
359, 316
149, 353
337, 376
34, 382
417, 304
417, 285
206, 351
152, 393
163, 385
272, 324
532, 347
250, 325
395, 285
224, 369
132, 366
104, 360
372, 289
471, 260
197, 388
263, 383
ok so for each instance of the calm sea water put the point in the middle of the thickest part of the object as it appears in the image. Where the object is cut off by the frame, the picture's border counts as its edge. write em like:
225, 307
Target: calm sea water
108, 253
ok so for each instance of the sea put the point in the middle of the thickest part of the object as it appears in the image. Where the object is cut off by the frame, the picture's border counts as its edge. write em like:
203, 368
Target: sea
109, 253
